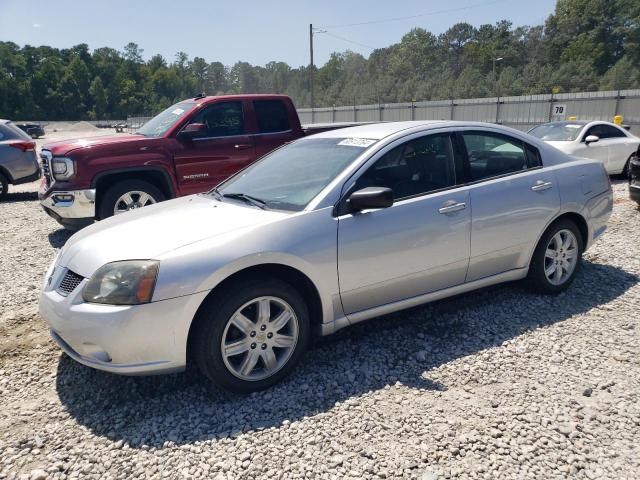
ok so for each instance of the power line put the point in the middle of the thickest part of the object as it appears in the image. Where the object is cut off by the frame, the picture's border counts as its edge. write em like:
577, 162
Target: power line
325, 32
397, 19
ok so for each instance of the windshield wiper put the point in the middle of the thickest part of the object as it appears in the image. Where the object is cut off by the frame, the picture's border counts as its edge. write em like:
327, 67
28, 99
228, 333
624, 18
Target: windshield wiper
215, 192
246, 198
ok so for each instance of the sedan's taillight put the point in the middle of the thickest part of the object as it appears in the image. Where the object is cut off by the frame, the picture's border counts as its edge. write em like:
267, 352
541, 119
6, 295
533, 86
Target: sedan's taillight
25, 146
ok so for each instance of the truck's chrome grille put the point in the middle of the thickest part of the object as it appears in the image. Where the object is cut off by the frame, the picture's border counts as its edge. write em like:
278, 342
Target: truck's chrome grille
69, 283
45, 164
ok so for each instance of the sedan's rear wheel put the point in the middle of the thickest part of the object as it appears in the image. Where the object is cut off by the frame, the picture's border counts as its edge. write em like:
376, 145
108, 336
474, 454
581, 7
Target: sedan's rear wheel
250, 336
557, 258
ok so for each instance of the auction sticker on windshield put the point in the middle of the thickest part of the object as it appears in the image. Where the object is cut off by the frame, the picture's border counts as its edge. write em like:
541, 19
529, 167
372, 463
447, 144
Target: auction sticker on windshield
357, 142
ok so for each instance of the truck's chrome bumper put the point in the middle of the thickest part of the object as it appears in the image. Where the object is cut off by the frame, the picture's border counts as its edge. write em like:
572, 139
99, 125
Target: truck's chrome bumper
72, 209
72, 204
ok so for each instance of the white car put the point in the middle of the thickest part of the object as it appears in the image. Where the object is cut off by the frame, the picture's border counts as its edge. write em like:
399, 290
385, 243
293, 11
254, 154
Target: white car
603, 141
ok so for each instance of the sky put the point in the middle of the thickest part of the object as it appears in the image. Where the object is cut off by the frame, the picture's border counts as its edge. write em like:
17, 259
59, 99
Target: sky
252, 31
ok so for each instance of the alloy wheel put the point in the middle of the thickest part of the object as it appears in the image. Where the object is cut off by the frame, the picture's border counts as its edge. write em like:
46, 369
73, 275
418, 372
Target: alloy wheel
561, 257
259, 338
131, 201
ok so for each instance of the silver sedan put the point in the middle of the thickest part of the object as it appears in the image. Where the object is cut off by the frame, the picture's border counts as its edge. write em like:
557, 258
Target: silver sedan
327, 231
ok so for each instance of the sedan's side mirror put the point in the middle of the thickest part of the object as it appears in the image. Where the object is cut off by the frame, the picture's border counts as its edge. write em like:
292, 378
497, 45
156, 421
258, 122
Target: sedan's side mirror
370, 197
193, 130
591, 139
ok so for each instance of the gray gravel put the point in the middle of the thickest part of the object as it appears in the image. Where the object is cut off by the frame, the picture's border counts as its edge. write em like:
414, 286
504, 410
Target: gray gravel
500, 383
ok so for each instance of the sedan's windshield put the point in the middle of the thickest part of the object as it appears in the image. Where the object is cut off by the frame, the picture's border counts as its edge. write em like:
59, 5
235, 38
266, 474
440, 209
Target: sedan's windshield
289, 178
557, 132
161, 123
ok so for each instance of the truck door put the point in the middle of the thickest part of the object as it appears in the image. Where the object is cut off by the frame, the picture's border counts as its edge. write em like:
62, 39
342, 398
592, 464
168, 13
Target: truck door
272, 124
203, 162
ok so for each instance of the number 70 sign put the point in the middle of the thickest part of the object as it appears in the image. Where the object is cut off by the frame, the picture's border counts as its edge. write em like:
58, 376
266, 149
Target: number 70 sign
559, 110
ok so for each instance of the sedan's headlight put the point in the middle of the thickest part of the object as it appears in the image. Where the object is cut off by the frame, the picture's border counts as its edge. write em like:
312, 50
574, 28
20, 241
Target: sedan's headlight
129, 282
62, 168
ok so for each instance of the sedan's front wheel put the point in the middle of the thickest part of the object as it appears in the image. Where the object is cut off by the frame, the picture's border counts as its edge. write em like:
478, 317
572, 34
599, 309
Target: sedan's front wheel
251, 336
557, 258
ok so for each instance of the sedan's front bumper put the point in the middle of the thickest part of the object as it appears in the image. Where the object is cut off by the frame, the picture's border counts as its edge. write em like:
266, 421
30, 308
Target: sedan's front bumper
131, 340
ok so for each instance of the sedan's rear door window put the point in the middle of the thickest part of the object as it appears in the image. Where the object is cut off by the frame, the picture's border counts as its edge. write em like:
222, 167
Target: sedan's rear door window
492, 155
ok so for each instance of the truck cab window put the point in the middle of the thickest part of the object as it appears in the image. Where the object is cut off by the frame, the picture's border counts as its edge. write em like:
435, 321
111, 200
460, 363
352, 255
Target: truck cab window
224, 119
272, 116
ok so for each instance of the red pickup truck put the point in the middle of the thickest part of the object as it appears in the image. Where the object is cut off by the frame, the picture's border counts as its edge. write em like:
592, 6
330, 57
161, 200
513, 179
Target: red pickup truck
188, 148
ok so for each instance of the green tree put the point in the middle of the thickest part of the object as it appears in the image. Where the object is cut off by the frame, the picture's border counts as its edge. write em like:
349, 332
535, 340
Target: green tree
99, 97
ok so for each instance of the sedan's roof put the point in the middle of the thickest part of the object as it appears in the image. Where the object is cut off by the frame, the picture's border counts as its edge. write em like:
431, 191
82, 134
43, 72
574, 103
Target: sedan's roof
571, 122
378, 131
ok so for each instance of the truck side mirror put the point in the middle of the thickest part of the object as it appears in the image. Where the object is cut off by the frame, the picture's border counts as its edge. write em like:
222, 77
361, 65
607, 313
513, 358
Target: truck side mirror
193, 130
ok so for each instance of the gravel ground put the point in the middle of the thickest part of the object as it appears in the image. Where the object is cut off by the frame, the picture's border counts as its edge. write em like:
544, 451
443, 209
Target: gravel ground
500, 383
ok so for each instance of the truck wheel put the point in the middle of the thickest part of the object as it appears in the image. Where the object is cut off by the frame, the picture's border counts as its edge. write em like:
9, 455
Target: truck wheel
252, 334
128, 195
4, 186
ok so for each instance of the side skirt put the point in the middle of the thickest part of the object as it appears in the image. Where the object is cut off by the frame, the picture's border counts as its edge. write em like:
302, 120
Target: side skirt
345, 321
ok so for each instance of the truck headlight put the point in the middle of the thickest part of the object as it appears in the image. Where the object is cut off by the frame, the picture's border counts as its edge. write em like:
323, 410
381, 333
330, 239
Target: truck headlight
62, 168
129, 282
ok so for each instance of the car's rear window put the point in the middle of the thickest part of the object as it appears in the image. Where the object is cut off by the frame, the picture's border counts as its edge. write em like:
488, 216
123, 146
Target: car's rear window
8, 131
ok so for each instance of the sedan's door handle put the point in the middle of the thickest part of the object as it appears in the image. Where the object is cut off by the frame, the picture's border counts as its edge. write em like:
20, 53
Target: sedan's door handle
452, 206
241, 146
540, 186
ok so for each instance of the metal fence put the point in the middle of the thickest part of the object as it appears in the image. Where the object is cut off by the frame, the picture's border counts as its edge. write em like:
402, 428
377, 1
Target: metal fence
521, 112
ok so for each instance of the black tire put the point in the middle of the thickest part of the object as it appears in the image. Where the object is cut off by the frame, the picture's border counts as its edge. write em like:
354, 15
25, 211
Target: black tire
4, 186
625, 171
107, 202
215, 313
537, 279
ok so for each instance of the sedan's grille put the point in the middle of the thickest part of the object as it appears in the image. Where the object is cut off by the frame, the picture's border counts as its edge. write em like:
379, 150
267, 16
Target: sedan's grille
69, 283
45, 156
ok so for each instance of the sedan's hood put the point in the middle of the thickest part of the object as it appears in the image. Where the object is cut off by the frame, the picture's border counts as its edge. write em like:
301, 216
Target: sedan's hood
64, 147
151, 231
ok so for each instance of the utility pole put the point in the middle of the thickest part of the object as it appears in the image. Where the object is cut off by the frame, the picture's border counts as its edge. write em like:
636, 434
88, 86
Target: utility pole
311, 68
495, 79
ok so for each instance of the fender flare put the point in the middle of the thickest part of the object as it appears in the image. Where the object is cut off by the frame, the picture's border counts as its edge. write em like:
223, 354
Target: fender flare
163, 171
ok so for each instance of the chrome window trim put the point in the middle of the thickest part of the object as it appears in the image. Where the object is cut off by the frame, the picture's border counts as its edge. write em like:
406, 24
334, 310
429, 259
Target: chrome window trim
279, 132
201, 139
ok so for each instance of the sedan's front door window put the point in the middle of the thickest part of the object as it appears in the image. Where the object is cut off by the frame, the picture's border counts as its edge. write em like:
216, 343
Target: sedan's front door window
414, 168
492, 155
